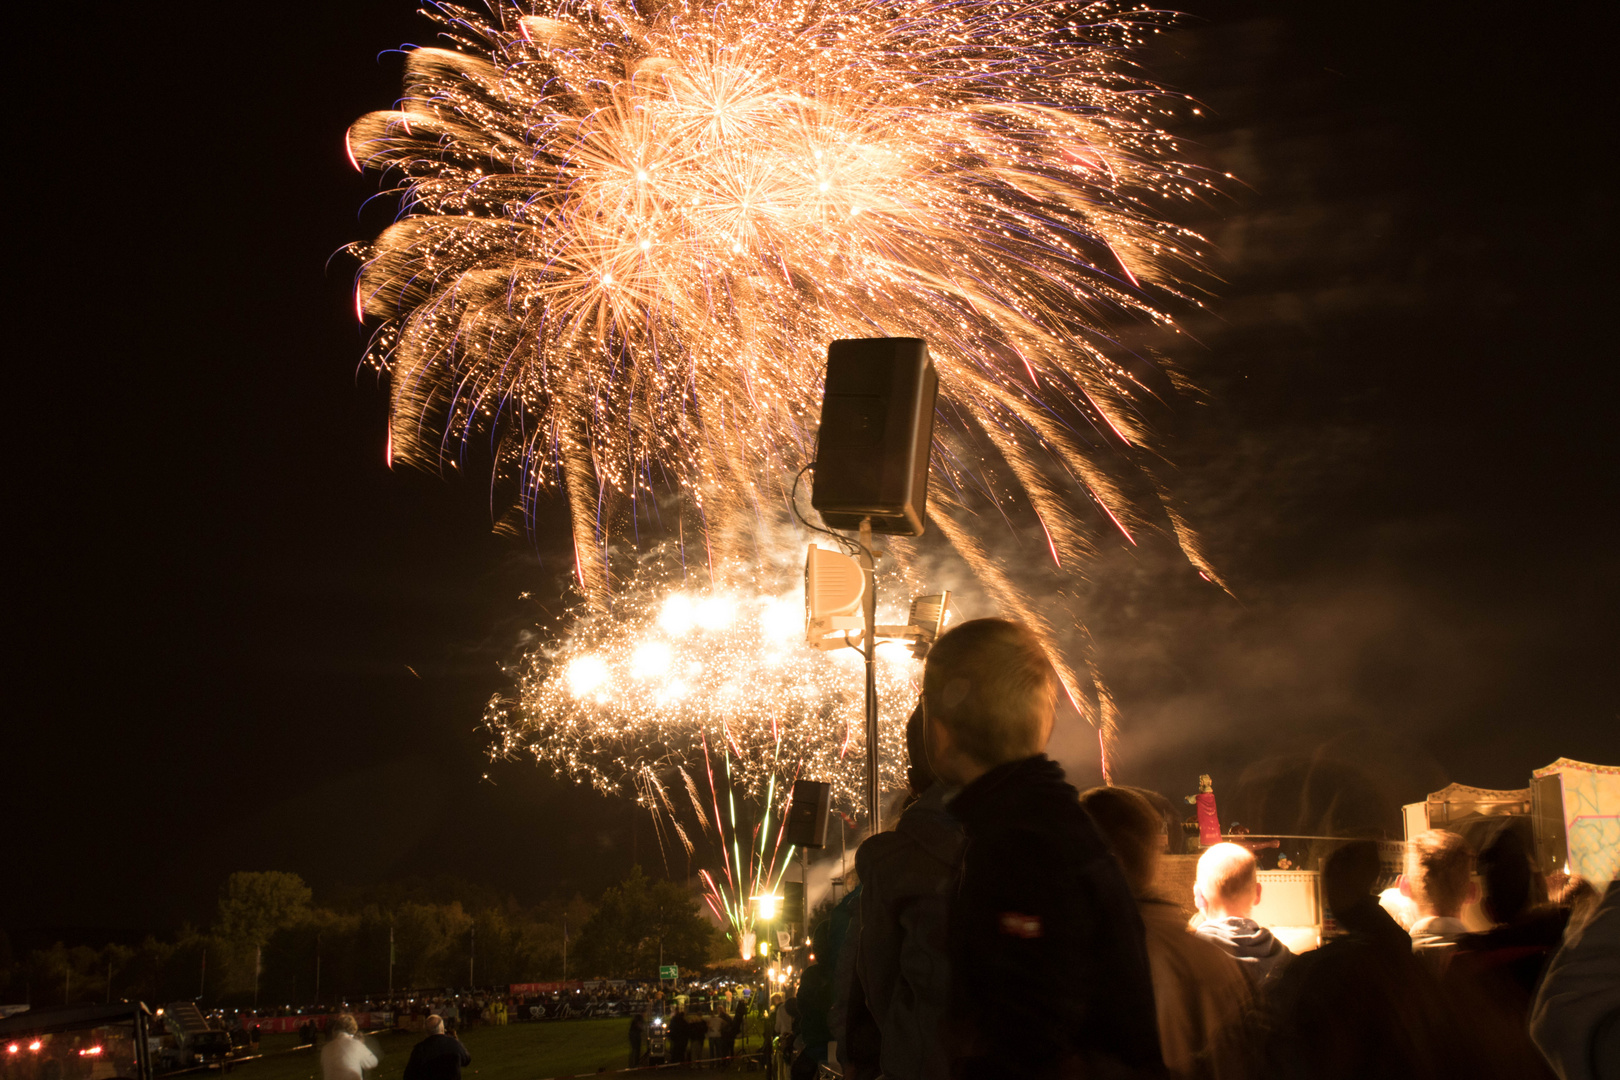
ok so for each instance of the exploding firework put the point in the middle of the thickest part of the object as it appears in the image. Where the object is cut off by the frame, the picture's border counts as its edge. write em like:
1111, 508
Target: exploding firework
643, 698
706, 704
628, 233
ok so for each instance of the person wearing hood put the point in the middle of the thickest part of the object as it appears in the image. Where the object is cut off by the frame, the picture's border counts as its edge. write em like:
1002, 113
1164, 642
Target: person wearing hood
1048, 964
906, 876
1575, 1019
1226, 892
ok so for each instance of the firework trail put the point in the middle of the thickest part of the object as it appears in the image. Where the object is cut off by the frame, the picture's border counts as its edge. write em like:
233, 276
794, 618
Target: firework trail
629, 231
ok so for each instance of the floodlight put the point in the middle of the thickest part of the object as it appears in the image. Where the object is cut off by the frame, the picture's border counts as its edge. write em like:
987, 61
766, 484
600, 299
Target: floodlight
834, 584
927, 620
929, 615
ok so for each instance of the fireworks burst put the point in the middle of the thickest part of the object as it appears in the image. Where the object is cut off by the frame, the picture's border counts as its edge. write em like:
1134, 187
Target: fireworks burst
628, 233
701, 701
641, 699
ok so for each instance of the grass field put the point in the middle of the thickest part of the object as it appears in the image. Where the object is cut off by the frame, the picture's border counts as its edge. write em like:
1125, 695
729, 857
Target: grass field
515, 1052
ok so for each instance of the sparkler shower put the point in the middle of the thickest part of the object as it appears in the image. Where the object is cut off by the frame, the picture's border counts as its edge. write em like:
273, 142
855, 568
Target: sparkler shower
628, 233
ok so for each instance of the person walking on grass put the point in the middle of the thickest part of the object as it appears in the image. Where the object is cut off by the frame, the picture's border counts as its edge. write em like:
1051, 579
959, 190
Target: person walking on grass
638, 1029
345, 1056
437, 1057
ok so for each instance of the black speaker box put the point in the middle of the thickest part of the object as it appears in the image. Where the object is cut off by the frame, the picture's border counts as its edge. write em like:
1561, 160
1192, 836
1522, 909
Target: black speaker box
877, 421
793, 903
807, 815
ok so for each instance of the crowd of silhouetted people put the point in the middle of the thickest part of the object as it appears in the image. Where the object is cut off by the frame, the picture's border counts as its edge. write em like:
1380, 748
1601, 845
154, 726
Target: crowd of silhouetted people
1010, 926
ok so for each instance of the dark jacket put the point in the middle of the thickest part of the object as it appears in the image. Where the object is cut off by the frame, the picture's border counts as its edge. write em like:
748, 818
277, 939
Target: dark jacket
906, 878
1357, 1008
1511, 958
1049, 967
1251, 944
677, 1037
437, 1057
1367, 919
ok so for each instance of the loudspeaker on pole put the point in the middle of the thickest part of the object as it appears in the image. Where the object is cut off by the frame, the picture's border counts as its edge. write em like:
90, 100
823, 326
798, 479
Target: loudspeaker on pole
877, 421
807, 814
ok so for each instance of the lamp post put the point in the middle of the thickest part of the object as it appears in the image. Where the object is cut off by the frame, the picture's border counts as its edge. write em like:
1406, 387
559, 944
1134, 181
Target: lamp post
869, 651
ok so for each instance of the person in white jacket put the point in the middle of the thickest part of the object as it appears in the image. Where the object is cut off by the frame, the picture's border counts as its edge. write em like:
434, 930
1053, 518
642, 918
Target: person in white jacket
345, 1056
1575, 1020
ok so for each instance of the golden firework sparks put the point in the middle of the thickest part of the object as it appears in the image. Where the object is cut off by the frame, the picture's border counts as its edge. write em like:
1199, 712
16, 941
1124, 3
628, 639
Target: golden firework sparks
629, 231
638, 699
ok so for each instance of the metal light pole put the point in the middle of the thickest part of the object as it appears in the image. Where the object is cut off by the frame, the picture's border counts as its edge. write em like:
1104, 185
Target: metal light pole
869, 650
390, 961
804, 877
317, 967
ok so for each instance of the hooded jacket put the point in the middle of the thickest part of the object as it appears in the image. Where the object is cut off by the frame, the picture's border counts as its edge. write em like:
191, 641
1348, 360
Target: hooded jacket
1049, 968
906, 876
1254, 947
1576, 1016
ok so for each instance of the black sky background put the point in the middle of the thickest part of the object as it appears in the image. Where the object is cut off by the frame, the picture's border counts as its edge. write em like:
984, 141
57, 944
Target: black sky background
238, 641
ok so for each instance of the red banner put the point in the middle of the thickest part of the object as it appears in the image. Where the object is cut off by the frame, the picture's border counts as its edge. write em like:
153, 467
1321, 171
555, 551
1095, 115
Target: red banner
283, 1024
533, 989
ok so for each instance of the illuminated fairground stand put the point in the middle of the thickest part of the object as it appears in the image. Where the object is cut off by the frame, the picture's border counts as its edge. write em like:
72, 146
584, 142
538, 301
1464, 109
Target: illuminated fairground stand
1569, 819
76, 1042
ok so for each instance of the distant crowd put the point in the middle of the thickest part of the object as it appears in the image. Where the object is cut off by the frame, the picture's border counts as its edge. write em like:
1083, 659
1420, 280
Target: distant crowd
1010, 926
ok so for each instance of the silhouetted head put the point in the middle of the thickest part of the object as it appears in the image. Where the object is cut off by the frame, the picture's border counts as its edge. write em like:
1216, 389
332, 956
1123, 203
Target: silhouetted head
1226, 886
919, 773
1134, 830
1439, 870
1350, 875
1505, 873
989, 693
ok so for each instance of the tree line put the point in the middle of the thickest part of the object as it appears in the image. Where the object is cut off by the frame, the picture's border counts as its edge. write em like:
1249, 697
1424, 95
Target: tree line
268, 930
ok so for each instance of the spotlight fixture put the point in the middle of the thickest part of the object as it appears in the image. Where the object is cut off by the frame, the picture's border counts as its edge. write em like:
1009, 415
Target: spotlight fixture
926, 622
833, 586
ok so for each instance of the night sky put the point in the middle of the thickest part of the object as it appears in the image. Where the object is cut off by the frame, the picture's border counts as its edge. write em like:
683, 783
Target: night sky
238, 641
